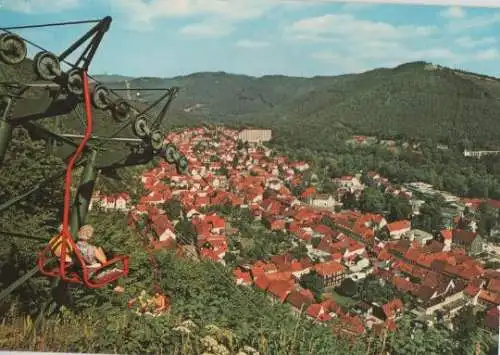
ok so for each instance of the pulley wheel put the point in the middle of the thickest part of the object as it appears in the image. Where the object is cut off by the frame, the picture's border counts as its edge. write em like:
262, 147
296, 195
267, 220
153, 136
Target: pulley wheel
100, 97
140, 127
47, 65
157, 139
13, 49
121, 111
75, 82
170, 150
182, 165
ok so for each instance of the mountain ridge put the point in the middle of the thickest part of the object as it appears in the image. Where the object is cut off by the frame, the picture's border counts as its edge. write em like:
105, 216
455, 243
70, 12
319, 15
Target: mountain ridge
416, 99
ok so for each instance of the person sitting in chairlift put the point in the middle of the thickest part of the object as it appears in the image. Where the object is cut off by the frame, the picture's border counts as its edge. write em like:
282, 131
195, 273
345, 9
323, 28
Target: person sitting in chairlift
93, 256
56, 246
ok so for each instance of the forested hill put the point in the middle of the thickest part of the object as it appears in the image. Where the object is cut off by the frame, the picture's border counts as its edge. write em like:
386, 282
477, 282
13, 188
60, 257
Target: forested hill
416, 99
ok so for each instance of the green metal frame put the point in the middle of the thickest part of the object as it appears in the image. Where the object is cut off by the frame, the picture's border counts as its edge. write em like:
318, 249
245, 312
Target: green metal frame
84, 193
5, 129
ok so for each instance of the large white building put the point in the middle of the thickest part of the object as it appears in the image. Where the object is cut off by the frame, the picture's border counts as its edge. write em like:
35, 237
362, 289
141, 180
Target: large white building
255, 135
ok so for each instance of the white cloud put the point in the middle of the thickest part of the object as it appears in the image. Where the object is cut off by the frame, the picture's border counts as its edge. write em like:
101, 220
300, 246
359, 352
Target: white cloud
360, 44
476, 22
487, 55
39, 6
470, 42
248, 43
334, 26
146, 11
206, 29
453, 12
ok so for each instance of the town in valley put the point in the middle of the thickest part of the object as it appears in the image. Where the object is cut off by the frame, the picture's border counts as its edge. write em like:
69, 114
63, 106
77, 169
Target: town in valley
267, 218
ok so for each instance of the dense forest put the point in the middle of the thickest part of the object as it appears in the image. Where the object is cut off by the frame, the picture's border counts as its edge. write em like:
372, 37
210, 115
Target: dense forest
414, 100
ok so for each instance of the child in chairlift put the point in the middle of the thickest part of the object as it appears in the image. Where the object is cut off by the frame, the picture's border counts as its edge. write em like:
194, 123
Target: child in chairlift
93, 256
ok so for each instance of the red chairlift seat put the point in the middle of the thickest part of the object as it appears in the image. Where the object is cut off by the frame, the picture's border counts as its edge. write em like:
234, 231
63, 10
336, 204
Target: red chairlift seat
77, 271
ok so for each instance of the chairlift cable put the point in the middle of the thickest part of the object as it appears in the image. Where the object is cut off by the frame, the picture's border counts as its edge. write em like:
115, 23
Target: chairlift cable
48, 25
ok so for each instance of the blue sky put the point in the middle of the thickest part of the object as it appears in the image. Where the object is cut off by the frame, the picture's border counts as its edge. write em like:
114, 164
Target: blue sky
258, 37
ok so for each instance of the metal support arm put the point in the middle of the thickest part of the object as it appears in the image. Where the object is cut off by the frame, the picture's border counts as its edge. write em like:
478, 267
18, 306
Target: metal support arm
86, 57
84, 193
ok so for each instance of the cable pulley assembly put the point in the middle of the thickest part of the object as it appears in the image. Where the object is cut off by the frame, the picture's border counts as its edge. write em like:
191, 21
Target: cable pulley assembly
100, 97
121, 110
169, 153
74, 82
47, 65
157, 139
141, 128
13, 49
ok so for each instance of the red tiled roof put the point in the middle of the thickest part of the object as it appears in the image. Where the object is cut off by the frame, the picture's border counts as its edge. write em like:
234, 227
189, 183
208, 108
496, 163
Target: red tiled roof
391, 307
398, 226
329, 268
298, 300
280, 289
494, 286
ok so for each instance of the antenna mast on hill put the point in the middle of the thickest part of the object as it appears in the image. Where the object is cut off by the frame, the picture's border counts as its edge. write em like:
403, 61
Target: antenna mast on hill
127, 86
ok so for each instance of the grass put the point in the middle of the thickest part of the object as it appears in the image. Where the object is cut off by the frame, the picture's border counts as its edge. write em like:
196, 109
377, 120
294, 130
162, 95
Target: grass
342, 301
127, 333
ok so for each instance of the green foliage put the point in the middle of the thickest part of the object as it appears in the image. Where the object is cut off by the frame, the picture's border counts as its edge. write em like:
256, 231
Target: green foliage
299, 251
430, 216
372, 200
372, 289
398, 208
415, 338
488, 218
349, 201
173, 209
203, 292
26, 164
315, 241
313, 282
348, 287
468, 331
186, 232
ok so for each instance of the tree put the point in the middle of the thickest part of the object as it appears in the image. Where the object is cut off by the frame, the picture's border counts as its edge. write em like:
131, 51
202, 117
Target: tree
186, 232
27, 164
329, 187
349, 201
431, 216
372, 200
299, 251
398, 207
315, 241
365, 179
487, 219
313, 282
173, 209
412, 337
468, 332
348, 287
372, 289
223, 171
230, 258
235, 161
